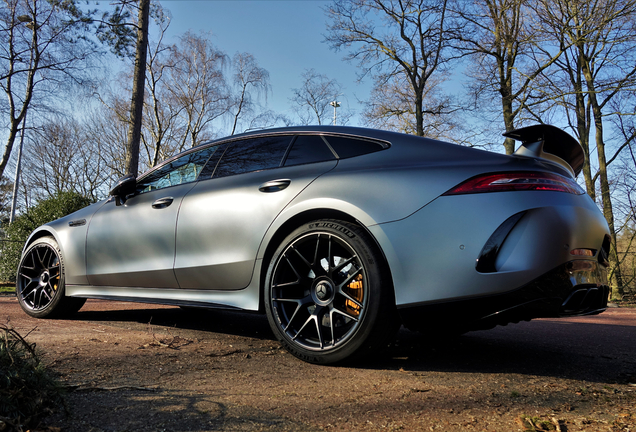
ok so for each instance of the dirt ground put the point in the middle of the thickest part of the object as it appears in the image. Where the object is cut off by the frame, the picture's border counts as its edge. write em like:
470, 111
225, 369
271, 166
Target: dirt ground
138, 367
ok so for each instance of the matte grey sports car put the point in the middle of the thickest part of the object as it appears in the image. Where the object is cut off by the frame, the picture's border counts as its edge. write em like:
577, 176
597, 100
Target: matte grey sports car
339, 235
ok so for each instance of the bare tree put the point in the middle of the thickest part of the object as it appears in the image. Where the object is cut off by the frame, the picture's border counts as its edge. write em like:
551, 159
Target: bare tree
602, 65
60, 158
160, 116
197, 84
121, 32
186, 92
247, 77
313, 98
107, 128
624, 189
391, 37
507, 55
391, 106
41, 48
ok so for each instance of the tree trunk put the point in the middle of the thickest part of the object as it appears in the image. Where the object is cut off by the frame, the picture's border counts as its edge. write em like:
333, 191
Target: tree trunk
505, 89
13, 132
30, 84
509, 118
584, 138
419, 117
137, 102
608, 212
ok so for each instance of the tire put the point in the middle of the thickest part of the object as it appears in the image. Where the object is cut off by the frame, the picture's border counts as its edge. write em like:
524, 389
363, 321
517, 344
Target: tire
40, 282
328, 294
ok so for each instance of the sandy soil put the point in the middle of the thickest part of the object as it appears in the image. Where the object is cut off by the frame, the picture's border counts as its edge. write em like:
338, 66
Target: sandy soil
154, 368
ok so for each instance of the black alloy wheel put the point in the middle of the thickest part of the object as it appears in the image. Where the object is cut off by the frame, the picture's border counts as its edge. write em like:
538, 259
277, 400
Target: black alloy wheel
328, 296
40, 281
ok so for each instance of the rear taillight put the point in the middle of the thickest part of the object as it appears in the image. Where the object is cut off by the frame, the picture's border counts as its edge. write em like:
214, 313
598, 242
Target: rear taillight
517, 181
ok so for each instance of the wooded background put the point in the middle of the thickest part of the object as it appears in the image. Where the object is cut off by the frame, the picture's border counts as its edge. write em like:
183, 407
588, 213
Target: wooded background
571, 63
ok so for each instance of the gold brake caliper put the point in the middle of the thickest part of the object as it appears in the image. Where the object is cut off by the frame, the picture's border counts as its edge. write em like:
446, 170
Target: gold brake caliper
356, 290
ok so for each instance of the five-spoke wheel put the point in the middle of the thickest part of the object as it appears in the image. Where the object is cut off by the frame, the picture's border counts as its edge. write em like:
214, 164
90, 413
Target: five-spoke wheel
324, 292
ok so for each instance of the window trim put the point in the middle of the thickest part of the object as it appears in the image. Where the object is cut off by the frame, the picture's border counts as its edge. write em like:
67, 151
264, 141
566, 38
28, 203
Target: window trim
294, 134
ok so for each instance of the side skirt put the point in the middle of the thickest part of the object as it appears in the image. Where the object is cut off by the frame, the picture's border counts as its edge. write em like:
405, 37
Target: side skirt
246, 299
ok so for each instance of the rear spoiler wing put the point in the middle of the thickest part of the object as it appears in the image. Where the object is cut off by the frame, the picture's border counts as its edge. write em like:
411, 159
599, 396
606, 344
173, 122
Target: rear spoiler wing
550, 143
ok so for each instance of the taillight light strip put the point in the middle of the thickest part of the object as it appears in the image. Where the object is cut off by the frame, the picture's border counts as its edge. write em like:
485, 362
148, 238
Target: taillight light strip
517, 181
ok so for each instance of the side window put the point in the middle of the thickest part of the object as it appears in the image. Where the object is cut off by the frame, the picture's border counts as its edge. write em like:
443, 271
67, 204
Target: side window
185, 169
308, 149
349, 147
253, 154
210, 166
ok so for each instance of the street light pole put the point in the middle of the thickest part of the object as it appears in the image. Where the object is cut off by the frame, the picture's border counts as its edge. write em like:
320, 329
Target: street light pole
334, 104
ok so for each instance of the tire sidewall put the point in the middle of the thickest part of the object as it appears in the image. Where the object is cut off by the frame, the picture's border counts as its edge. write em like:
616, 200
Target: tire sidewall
362, 246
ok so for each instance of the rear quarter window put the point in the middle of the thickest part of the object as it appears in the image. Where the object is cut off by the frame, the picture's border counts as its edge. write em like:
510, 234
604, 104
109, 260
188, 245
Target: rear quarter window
309, 149
347, 147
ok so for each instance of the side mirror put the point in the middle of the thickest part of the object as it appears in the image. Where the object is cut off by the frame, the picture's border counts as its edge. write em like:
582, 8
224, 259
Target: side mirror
124, 187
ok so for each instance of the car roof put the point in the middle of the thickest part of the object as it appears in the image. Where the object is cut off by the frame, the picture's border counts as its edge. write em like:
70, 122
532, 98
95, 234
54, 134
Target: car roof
318, 129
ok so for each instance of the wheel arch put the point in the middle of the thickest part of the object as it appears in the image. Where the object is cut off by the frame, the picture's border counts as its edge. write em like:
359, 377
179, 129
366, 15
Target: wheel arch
43, 231
298, 220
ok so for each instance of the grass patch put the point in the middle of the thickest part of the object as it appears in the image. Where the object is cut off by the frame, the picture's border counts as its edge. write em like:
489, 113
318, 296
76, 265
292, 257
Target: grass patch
27, 390
7, 288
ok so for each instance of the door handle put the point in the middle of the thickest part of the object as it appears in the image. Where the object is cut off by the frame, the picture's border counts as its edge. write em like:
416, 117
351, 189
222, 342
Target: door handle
162, 202
274, 185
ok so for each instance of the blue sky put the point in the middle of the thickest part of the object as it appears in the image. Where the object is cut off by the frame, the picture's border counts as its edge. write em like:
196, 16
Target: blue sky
285, 37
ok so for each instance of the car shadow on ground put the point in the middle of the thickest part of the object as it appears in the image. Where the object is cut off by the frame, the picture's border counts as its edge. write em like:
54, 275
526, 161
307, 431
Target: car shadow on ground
581, 351
252, 325
551, 348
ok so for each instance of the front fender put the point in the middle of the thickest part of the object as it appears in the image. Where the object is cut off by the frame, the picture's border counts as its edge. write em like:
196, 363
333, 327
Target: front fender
70, 234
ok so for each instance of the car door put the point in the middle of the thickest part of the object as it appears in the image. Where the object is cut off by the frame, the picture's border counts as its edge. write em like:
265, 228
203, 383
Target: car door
223, 219
133, 245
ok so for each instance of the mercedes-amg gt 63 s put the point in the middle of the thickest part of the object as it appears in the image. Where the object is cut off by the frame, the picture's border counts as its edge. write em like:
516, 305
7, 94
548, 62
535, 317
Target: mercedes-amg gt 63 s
339, 235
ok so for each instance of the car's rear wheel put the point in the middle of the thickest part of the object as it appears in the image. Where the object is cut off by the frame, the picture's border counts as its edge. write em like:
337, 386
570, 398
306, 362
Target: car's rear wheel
328, 293
40, 281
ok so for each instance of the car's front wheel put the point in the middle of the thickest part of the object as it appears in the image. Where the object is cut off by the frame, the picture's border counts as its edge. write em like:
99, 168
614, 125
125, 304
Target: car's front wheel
40, 281
328, 293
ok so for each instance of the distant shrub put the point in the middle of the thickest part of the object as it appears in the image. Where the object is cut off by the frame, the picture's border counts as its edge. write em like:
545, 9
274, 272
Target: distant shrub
27, 391
50, 209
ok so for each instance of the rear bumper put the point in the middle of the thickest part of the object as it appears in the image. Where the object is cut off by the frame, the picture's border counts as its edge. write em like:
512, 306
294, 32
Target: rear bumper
574, 288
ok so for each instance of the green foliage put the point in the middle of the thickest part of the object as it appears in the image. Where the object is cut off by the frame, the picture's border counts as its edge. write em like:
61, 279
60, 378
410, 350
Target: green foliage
116, 31
118, 27
45, 211
27, 391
